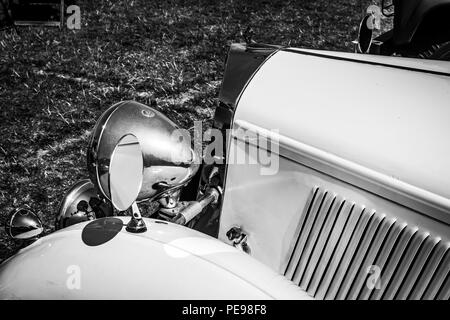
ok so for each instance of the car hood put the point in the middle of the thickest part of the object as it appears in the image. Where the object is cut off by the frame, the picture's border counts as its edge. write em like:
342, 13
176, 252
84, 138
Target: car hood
382, 120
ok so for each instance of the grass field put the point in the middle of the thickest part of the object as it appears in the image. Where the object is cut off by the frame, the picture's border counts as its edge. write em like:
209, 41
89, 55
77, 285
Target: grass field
54, 83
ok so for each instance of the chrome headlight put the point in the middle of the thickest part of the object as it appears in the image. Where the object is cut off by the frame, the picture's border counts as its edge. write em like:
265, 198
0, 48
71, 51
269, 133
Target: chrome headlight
168, 161
81, 203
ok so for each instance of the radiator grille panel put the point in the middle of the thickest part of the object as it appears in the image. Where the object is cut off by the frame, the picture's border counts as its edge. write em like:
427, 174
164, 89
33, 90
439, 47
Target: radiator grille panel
341, 248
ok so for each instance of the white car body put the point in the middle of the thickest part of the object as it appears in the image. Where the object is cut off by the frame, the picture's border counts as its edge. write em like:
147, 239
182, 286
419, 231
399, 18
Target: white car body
363, 182
366, 130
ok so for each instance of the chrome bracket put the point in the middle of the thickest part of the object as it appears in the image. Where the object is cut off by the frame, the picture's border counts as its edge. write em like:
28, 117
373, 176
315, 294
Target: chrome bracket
238, 239
136, 224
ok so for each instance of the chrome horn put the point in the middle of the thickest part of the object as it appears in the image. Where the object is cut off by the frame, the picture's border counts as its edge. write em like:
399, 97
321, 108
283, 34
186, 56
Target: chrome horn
169, 162
23, 224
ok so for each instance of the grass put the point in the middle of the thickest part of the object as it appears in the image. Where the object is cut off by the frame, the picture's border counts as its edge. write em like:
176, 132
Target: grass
54, 83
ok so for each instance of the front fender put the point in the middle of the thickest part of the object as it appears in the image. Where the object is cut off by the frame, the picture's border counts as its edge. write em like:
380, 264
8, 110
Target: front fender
100, 260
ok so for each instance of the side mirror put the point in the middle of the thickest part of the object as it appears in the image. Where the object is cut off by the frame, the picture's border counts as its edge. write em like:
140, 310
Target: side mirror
23, 224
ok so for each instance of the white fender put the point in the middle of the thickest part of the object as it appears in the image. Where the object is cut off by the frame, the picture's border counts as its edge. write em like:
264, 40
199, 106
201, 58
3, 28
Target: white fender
100, 260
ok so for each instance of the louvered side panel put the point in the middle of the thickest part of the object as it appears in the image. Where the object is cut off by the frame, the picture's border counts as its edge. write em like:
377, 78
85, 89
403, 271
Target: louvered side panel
384, 254
438, 278
336, 244
358, 257
345, 251
369, 261
312, 238
404, 265
415, 270
429, 270
305, 227
346, 259
389, 270
321, 244
444, 293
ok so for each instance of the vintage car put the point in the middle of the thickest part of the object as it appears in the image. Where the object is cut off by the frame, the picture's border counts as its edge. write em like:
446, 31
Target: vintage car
327, 176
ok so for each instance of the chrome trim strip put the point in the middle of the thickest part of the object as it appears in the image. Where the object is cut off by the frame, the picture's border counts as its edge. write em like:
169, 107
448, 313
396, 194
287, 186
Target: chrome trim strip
418, 199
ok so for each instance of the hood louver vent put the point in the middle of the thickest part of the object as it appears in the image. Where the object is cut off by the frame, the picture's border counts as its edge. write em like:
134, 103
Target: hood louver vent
343, 251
